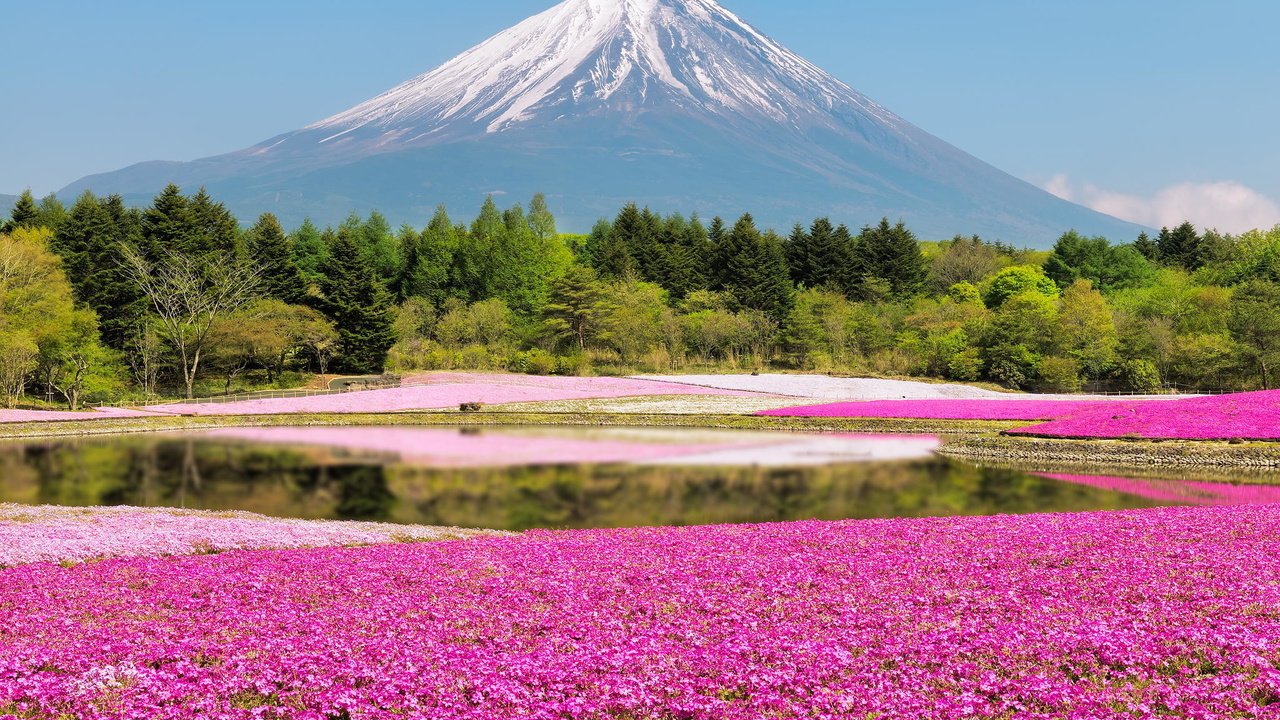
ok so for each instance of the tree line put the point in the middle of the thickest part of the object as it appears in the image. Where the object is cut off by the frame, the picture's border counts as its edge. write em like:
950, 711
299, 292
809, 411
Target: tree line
102, 300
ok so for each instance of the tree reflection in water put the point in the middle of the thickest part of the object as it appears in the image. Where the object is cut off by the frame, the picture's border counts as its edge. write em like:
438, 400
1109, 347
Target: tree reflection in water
325, 482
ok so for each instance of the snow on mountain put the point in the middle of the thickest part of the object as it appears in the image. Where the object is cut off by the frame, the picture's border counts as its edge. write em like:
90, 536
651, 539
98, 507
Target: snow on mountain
675, 103
628, 54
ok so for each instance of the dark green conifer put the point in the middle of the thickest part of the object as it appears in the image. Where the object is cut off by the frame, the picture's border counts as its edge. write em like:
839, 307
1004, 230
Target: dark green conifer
213, 231
24, 214
891, 255
1147, 247
358, 304
310, 250
1182, 247
269, 251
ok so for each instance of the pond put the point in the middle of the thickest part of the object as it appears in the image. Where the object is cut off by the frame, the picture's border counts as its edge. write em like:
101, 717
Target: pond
518, 479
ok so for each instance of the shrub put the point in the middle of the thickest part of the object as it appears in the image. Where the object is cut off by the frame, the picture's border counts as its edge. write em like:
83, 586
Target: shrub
1137, 375
1060, 375
533, 362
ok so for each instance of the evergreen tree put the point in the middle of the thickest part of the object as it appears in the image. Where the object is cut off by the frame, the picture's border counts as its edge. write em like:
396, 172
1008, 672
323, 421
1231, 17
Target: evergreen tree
1107, 267
269, 251
820, 256
212, 231
889, 253
541, 221
402, 288
1182, 247
359, 306
723, 252
310, 250
756, 269
166, 224
24, 213
51, 212
1147, 247
575, 306
607, 253
89, 241
431, 276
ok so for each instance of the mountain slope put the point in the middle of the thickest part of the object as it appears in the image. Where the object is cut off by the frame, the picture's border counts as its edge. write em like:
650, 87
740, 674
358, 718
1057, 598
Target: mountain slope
674, 103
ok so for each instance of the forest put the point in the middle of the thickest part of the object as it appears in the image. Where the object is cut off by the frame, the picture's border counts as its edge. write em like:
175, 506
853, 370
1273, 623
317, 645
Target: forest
105, 303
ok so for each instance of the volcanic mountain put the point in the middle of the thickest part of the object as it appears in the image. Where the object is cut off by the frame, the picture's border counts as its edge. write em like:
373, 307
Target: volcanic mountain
677, 104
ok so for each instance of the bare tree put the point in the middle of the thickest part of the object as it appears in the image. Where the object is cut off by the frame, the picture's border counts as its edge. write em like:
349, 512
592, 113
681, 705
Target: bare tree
189, 295
144, 357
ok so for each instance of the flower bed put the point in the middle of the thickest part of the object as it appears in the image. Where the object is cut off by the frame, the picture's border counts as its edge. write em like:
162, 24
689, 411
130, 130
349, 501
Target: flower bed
24, 416
1171, 613
941, 409
56, 534
1248, 416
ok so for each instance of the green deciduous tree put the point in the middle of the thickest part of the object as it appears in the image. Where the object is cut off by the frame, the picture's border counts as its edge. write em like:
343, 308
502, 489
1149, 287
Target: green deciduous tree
1017, 280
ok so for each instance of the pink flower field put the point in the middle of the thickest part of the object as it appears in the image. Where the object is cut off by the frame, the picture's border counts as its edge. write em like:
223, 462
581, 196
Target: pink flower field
23, 416
448, 391
65, 535
941, 409
1248, 416
1164, 613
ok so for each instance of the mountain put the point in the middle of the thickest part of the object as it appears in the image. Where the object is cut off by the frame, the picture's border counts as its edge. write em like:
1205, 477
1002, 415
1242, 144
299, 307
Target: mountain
6, 205
677, 104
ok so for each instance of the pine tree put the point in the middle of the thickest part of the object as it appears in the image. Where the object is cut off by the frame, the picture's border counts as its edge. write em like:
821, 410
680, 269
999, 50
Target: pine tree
574, 306
798, 256
432, 276
25, 214
1182, 246
166, 225
1147, 247
269, 251
608, 254
891, 254
403, 287
756, 269
51, 212
89, 242
820, 256
359, 306
541, 221
723, 252
213, 231
310, 250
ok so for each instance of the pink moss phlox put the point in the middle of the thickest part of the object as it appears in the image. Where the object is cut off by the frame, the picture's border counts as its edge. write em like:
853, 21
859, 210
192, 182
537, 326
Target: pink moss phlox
1171, 613
1248, 416
940, 409
51, 534
448, 391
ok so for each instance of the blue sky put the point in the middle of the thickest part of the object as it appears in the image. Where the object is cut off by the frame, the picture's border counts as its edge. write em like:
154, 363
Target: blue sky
1136, 107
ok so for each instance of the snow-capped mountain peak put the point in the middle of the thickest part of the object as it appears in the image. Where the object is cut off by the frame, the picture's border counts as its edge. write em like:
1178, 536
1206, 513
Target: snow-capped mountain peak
675, 104
582, 56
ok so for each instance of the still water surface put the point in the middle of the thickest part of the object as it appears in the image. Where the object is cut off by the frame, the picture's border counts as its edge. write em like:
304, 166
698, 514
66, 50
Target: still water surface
556, 478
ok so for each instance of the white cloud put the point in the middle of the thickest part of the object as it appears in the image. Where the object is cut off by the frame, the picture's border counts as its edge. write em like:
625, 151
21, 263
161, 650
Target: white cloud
1227, 206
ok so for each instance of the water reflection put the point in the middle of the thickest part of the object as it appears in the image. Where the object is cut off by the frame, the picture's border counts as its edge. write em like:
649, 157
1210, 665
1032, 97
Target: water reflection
537, 478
